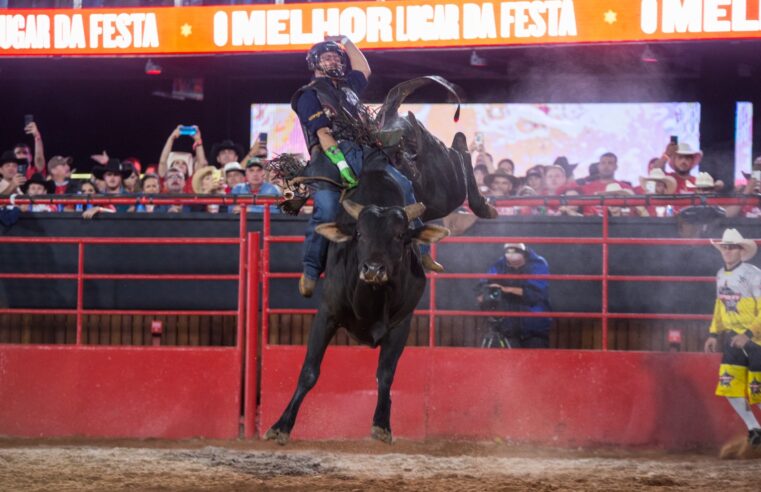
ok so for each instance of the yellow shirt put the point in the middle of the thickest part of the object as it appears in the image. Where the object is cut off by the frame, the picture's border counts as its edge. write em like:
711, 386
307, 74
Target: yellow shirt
738, 300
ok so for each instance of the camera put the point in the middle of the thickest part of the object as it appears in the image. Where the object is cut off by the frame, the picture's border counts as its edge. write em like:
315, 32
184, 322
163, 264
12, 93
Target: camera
492, 298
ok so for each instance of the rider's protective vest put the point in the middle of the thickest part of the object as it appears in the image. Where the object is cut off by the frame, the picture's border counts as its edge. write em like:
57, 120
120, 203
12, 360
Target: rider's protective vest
334, 98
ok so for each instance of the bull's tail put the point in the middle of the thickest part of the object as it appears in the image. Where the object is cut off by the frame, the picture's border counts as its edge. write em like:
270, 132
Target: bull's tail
399, 93
476, 200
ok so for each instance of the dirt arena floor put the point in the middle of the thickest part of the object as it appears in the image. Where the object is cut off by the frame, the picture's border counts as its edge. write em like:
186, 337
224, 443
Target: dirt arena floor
114, 465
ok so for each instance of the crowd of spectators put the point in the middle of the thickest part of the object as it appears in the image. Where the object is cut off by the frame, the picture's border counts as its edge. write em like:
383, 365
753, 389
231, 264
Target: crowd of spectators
231, 170
670, 174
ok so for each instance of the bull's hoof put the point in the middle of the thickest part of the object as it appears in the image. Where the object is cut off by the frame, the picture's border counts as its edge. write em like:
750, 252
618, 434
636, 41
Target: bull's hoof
382, 435
277, 435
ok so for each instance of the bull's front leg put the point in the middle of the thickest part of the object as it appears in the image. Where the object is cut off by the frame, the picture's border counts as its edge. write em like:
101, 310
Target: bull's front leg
391, 349
321, 332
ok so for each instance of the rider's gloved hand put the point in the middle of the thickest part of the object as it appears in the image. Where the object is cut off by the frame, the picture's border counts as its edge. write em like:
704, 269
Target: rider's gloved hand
337, 157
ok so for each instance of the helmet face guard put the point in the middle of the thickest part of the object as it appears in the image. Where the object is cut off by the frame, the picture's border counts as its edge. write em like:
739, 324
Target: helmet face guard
316, 51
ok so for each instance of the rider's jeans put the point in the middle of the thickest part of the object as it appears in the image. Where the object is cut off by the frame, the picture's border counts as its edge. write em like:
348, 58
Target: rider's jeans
326, 208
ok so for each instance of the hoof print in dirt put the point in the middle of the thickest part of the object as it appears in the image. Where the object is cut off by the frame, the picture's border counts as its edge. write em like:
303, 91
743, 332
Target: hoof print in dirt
277, 435
381, 435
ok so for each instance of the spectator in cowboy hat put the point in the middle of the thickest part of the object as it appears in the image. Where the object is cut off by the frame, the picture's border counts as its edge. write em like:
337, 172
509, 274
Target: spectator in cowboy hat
234, 174
208, 181
11, 178
682, 158
192, 162
225, 152
735, 319
500, 183
702, 184
113, 175
656, 183
37, 186
615, 189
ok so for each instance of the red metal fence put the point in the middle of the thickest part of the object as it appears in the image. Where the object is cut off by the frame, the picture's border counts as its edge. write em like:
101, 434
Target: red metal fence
564, 397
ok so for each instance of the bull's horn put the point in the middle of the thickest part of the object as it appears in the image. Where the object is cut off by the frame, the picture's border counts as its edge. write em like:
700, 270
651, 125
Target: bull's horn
414, 211
353, 208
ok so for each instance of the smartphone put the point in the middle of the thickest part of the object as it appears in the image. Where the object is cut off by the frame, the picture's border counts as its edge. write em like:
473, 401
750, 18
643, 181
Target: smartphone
28, 118
187, 130
263, 138
480, 140
674, 140
22, 167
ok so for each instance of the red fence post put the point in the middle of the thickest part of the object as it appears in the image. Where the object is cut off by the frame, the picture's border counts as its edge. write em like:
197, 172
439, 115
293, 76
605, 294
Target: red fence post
250, 388
604, 278
241, 279
432, 304
267, 236
80, 287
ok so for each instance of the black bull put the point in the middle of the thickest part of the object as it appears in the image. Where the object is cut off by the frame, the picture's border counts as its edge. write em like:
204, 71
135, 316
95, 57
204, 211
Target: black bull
374, 278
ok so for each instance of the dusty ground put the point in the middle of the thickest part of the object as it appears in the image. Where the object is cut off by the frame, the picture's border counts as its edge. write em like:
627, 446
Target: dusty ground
347, 466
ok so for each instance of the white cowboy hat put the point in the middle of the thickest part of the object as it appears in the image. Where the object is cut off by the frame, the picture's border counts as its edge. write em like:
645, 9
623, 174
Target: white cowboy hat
733, 237
704, 180
615, 189
657, 174
518, 246
685, 149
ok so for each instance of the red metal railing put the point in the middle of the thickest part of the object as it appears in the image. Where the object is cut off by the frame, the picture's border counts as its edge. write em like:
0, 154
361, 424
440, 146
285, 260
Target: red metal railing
605, 241
80, 277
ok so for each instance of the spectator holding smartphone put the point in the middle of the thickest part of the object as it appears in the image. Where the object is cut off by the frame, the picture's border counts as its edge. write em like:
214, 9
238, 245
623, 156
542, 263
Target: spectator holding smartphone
170, 159
22, 150
11, 180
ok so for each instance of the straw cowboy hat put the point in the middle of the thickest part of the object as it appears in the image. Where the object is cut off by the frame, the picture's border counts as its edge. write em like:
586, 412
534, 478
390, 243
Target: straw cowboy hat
732, 237
685, 149
658, 175
199, 176
615, 189
704, 180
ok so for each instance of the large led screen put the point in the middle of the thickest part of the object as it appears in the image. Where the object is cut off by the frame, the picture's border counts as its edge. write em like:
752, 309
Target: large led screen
532, 134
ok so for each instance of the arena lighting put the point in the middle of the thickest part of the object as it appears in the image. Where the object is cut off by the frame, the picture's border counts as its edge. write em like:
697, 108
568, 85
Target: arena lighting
648, 56
152, 68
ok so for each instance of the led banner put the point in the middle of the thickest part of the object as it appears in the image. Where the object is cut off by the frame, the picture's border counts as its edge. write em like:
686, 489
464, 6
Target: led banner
373, 25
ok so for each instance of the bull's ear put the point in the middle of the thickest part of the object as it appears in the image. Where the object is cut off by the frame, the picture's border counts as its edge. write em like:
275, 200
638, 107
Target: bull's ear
330, 231
430, 234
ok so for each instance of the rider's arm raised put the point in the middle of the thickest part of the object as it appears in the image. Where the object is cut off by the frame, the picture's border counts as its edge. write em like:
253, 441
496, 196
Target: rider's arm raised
357, 59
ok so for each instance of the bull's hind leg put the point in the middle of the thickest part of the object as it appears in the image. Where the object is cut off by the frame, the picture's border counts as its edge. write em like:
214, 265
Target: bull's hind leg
391, 349
321, 332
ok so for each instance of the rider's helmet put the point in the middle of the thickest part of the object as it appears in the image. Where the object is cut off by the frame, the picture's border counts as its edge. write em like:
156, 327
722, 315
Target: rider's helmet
313, 58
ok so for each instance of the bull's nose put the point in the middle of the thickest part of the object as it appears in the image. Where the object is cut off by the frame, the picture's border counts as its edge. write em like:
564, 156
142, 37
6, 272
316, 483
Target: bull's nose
373, 272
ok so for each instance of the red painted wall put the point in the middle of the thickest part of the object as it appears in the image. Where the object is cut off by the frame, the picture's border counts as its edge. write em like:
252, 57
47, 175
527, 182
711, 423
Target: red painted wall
119, 391
568, 398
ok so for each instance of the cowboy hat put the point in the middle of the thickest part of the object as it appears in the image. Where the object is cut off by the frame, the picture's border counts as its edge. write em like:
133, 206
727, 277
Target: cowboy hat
39, 179
562, 161
200, 175
685, 149
732, 237
225, 145
9, 156
657, 174
704, 180
500, 173
233, 166
615, 189
114, 166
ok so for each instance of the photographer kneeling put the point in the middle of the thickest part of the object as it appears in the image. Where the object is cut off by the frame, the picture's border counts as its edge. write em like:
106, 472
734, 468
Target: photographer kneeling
523, 295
